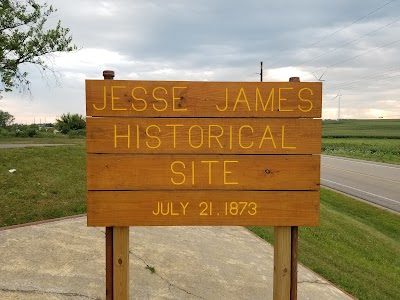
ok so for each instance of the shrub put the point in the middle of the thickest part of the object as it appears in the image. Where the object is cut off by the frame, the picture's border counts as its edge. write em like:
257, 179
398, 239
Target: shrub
68, 122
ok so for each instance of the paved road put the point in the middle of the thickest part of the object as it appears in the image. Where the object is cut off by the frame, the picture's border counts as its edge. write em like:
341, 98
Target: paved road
374, 182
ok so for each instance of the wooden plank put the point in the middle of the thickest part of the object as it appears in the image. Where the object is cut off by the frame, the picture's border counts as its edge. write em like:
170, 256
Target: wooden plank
198, 172
282, 262
203, 99
142, 208
204, 135
121, 263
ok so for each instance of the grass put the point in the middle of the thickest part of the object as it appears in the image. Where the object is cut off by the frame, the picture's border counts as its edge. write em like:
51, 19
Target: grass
49, 182
375, 140
356, 247
380, 150
59, 139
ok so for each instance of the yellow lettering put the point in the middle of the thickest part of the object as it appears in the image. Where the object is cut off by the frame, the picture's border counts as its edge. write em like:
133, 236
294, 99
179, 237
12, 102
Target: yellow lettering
115, 98
201, 137
228, 172
175, 98
240, 137
269, 137
226, 101
160, 99
280, 99
139, 99
193, 172
283, 140
270, 99
172, 210
104, 100
241, 94
178, 162
305, 100
137, 136
153, 136
174, 131
214, 136
210, 162
184, 207
128, 136
230, 137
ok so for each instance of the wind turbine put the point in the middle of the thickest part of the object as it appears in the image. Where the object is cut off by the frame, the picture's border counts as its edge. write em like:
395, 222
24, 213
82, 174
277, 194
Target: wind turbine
320, 77
338, 112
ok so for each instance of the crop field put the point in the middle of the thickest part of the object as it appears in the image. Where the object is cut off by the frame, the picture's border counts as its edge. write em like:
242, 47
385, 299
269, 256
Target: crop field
375, 140
377, 129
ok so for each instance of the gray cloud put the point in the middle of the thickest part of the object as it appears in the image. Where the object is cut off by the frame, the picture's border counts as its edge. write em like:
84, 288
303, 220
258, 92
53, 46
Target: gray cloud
226, 40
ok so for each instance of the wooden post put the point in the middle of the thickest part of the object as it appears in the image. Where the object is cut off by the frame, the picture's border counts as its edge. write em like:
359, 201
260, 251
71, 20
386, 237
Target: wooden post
294, 260
121, 263
117, 252
294, 245
109, 75
285, 257
282, 262
109, 263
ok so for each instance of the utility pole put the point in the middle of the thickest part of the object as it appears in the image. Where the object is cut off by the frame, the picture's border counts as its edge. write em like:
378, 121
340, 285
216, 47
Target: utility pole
261, 72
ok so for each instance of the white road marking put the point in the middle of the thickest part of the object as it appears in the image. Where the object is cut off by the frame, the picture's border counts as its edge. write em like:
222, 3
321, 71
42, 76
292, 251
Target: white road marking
363, 174
395, 201
360, 162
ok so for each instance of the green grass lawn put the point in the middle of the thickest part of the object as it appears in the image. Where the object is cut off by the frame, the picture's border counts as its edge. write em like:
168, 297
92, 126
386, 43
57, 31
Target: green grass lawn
49, 182
58, 139
356, 247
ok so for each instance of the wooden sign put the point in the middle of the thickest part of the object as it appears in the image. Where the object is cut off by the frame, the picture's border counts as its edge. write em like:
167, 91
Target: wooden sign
203, 99
203, 153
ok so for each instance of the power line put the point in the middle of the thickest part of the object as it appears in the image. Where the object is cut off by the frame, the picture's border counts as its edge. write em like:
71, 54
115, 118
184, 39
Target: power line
348, 43
362, 79
329, 35
361, 84
353, 57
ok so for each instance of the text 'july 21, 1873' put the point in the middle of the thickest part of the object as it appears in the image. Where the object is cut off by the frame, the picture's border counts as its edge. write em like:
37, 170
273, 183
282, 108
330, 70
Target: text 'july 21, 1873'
203, 153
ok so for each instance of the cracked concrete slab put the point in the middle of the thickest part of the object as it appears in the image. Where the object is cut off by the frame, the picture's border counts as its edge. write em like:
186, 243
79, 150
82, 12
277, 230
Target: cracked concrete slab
65, 260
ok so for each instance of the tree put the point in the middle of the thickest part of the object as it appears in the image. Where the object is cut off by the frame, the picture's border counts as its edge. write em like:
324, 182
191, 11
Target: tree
68, 122
25, 40
6, 119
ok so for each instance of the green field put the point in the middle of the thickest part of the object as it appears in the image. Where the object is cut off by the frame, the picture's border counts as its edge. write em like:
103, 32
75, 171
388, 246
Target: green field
356, 246
386, 129
49, 182
375, 140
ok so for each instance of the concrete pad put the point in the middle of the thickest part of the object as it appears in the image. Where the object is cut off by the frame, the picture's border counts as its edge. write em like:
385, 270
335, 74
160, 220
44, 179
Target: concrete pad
66, 260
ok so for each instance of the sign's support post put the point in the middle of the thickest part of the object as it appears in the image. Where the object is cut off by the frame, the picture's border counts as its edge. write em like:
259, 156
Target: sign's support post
294, 256
109, 263
286, 257
282, 262
109, 75
117, 252
121, 263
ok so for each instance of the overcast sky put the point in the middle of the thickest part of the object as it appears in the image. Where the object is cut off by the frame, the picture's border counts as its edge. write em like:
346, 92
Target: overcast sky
352, 45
